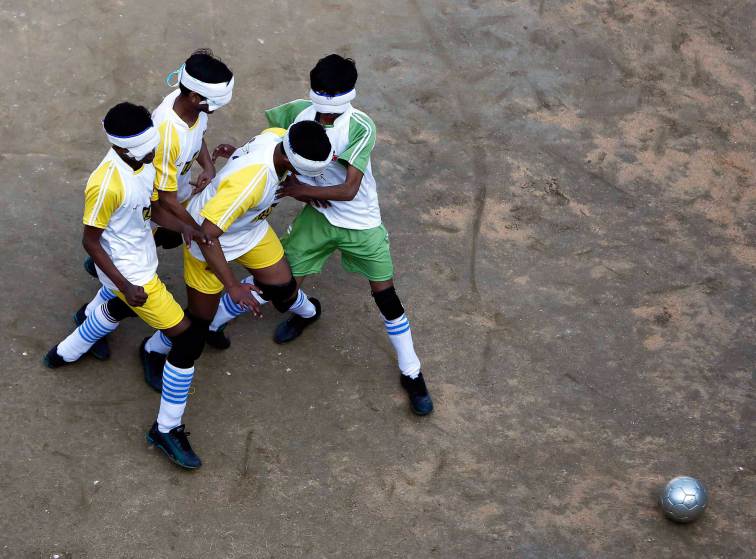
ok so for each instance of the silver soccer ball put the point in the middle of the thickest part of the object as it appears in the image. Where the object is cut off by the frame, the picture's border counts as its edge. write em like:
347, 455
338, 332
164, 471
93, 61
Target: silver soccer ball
684, 499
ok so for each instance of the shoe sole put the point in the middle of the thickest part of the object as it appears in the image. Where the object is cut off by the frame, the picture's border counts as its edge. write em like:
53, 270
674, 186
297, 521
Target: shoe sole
152, 442
97, 356
420, 413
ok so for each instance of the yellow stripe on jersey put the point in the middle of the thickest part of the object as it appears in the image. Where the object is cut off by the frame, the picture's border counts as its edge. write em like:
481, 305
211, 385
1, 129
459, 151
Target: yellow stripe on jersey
236, 193
280, 132
166, 155
103, 195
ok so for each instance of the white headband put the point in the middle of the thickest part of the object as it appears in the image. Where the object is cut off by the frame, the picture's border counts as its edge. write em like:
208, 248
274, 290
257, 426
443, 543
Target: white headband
302, 165
325, 103
217, 94
137, 145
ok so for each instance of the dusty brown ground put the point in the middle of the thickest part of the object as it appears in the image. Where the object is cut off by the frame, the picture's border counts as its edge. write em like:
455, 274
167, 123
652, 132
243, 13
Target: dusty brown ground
570, 192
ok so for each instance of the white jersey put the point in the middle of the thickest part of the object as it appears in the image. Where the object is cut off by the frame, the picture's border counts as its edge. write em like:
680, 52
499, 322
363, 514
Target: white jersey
241, 196
117, 200
179, 147
352, 137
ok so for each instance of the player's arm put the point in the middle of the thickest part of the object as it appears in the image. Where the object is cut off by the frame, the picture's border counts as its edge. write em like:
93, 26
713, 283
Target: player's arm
101, 199
169, 202
208, 168
345, 191
213, 253
168, 220
135, 295
166, 173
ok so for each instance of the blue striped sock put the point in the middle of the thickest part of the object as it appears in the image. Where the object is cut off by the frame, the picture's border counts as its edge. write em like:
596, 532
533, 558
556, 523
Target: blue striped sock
228, 310
400, 336
176, 384
159, 343
303, 306
98, 324
103, 296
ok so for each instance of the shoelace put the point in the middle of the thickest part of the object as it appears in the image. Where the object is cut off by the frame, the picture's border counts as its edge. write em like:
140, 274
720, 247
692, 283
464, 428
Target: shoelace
181, 437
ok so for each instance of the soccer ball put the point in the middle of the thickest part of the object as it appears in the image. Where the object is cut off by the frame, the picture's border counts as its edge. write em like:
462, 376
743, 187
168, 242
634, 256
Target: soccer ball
684, 499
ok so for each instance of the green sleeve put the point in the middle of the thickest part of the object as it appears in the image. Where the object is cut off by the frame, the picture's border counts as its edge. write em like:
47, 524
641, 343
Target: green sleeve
283, 116
361, 141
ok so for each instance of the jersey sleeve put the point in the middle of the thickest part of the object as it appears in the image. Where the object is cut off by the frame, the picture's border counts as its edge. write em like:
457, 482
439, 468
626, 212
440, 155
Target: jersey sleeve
166, 155
102, 196
361, 141
284, 115
236, 194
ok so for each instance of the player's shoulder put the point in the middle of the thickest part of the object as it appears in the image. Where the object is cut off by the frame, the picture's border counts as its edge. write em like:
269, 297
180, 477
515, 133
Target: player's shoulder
292, 107
245, 176
275, 131
298, 104
107, 177
360, 121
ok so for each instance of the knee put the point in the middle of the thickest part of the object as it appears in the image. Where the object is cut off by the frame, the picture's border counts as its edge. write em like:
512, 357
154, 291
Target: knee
388, 303
282, 295
118, 309
187, 346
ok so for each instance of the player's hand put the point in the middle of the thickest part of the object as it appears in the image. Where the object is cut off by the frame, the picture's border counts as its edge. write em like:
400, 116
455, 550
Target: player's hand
241, 294
203, 180
317, 203
191, 234
292, 188
135, 295
222, 150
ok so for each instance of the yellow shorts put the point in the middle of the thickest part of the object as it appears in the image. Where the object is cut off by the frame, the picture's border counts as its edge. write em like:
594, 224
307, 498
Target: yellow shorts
161, 311
199, 276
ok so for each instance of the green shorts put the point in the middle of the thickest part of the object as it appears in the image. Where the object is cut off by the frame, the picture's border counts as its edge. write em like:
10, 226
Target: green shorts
311, 239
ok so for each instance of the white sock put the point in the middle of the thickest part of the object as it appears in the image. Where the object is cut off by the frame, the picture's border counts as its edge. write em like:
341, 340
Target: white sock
97, 325
159, 343
103, 296
176, 383
400, 335
228, 310
303, 306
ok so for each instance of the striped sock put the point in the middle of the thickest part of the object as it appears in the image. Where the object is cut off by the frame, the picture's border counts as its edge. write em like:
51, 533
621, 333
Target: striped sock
303, 306
159, 343
400, 335
228, 310
103, 296
176, 383
97, 325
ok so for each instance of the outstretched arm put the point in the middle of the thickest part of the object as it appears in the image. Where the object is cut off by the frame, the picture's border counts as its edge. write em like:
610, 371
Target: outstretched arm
166, 219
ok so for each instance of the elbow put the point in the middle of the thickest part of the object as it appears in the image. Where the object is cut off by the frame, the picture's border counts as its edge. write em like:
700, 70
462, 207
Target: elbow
350, 195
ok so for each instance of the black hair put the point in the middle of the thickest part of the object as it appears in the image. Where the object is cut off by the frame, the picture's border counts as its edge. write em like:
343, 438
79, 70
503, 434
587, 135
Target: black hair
206, 67
333, 74
127, 119
309, 139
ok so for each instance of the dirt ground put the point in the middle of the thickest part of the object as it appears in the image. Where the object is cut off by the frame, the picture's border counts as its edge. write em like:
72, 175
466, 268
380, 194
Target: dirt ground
569, 187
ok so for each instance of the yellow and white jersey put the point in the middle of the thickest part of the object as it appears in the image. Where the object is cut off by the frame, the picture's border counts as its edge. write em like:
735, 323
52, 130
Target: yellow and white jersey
179, 146
117, 199
241, 196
